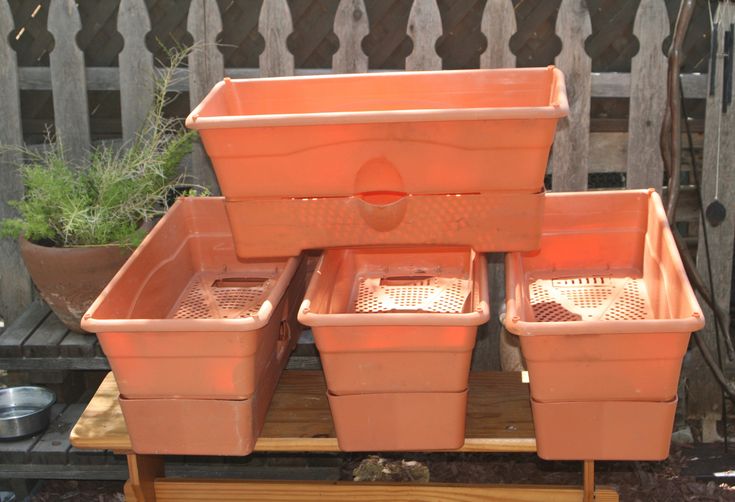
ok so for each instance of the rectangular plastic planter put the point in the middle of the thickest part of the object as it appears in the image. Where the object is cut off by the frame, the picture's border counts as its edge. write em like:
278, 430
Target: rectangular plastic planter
604, 309
426, 132
200, 426
185, 318
396, 320
414, 421
603, 430
486, 222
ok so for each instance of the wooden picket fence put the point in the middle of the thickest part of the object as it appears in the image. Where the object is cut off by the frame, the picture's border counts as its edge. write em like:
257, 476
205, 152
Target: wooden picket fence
576, 152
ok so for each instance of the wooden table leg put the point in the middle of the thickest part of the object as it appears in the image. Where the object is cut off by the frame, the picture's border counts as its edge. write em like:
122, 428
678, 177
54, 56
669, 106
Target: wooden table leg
143, 470
589, 480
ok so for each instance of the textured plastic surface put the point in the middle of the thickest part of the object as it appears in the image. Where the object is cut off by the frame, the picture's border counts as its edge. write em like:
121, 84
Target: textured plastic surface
419, 421
365, 347
201, 426
185, 318
604, 309
603, 430
486, 222
426, 132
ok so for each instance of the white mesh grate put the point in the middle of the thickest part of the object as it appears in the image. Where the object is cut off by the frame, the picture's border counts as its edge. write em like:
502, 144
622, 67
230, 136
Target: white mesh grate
412, 294
588, 298
211, 296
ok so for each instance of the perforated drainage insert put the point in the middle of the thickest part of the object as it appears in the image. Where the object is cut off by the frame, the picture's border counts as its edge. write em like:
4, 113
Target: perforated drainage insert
588, 298
412, 294
211, 296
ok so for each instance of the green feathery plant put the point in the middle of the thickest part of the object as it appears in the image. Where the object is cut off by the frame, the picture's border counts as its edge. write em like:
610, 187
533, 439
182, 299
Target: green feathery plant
106, 200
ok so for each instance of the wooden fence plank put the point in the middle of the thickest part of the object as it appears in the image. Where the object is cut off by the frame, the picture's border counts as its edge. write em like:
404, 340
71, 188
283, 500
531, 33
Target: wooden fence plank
351, 26
604, 85
498, 25
14, 335
16, 290
424, 28
206, 69
275, 25
647, 97
68, 81
570, 155
703, 396
136, 67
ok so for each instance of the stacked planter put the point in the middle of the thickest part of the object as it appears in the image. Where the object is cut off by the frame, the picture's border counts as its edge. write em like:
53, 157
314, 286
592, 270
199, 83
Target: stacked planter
196, 338
604, 312
395, 330
421, 159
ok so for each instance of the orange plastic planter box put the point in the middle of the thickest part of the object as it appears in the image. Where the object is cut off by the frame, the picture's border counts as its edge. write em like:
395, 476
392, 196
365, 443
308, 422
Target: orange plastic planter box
184, 318
604, 309
396, 319
486, 222
437, 132
408, 421
603, 430
200, 426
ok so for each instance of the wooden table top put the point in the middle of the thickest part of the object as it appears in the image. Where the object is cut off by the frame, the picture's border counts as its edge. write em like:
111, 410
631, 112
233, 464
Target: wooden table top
498, 416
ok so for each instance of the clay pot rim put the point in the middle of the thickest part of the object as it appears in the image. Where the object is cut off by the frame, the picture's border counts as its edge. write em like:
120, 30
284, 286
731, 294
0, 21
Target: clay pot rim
23, 240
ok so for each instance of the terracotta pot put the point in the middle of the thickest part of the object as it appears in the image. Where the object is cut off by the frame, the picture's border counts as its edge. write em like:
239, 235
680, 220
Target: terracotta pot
69, 279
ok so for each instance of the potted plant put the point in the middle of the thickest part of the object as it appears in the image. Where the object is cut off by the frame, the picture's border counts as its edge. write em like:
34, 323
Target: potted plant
77, 224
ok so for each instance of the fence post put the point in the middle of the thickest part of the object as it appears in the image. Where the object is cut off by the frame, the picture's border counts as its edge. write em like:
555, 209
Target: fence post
15, 285
68, 81
275, 25
570, 156
351, 26
647, 97
424, 28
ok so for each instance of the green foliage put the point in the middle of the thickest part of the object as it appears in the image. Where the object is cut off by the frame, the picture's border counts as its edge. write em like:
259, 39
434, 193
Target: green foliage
108, 199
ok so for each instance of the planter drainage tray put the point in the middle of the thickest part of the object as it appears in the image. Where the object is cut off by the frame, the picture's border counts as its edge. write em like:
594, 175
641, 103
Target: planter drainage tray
396, 319
604, 309
486, 222
184, 318
429, 132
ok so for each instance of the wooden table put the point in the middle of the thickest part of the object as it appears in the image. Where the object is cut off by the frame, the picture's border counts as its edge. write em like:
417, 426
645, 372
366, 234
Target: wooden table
498, 420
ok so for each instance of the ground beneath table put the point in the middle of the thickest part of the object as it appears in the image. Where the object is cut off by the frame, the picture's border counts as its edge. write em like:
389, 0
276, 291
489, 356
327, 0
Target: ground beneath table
635, 481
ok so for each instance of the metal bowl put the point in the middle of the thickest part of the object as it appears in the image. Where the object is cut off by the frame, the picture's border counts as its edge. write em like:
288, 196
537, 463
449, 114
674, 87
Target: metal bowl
24, 410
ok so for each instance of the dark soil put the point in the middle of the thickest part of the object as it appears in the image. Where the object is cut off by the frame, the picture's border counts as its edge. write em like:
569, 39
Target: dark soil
635, 481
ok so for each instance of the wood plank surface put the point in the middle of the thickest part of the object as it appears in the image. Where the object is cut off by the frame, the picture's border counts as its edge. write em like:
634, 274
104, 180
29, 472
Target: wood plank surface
223, 490
498, 25
424, 28
204, 22
18, 451
136, 67
78, 345
498, 416
15, 334
16, 290
45, 340
351, 27
647, 97
570, 153
275, 25
53, 446
68, 81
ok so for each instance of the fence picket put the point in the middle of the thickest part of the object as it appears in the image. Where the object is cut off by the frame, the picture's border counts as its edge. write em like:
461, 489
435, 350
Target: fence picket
15, 286
647, 96
570, 155
275, 25
498, 25
424, 28
206, 69
68, 81
351, 26
136, 67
